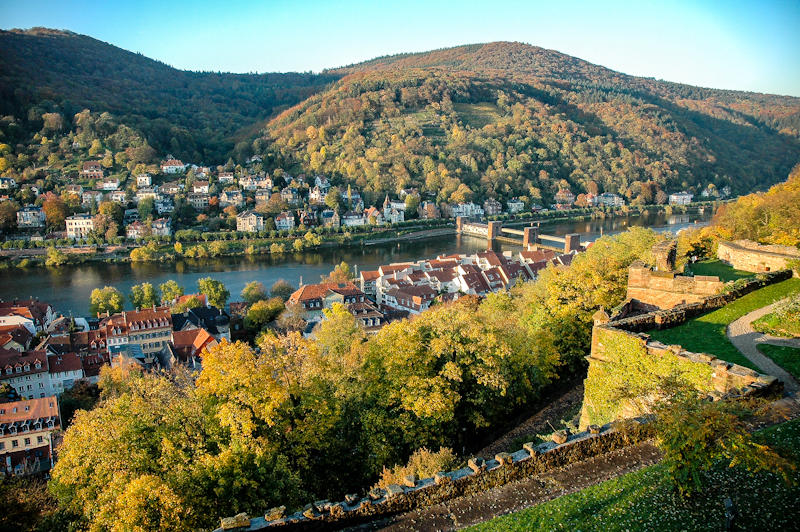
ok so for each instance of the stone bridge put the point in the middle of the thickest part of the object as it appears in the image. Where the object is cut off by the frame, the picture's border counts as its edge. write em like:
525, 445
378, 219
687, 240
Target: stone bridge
528, 237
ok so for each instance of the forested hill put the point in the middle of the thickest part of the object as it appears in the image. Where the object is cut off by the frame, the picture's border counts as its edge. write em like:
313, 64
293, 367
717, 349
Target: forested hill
197, 116
487, 120
504, 119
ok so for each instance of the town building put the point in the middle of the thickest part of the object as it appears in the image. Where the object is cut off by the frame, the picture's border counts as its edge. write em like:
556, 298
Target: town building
26, 372
7, 183
212, 319
199, 201
30, 217
564, 198
226, 178
144, 180
515, 205
200, 187
172, 166
27, 428
90, 197
680, 198
284, 221
112, 183
250, 222
609, 199
492, 207
149, 329
161, 227
231, 197
92, 170
79, 225
428, 210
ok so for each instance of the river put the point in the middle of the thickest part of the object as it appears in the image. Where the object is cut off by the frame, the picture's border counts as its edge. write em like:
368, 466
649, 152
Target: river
68, 288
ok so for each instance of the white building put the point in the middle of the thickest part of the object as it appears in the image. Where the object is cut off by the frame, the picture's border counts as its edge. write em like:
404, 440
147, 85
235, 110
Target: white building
680, 198
515, 205
172, 166
144, 180
466, 209
80, 225
610, 200
284, 221
30, 217
251, 222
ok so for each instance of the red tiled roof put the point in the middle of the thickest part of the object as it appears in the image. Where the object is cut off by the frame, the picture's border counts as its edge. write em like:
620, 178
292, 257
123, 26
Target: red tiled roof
65, 362
370, 275
32, 409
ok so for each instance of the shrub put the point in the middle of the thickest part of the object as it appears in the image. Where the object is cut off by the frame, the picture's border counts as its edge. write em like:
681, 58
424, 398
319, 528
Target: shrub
424, 463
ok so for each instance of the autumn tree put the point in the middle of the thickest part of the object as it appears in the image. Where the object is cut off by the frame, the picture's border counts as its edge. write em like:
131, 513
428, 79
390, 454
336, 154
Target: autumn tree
106, 299
172, 465
55, 211
340, 274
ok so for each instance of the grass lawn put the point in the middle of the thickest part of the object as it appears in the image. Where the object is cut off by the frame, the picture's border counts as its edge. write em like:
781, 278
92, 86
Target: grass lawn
720, 269
706, 333
784, 321
786, 357
645, 500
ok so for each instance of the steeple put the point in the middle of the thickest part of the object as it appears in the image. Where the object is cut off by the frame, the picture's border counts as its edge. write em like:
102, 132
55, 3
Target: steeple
386, 202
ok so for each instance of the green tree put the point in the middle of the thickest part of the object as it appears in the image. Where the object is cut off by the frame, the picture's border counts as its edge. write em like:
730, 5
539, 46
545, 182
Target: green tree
188, 303
214, 290
254, 291
143, 295
56, 257
170, 291
282, 289
333, 199
696, 436
8, 216
146, 208
106, 299
263, 312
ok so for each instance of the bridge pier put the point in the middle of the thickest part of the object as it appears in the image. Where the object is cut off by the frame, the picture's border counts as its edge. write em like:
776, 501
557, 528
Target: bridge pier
459, 224
572, 242
493, 230
529, 237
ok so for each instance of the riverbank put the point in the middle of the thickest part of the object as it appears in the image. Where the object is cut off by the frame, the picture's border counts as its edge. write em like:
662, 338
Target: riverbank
196, 244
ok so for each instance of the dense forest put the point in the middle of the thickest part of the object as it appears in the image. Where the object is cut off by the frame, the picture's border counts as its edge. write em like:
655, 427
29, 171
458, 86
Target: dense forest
509, 119
198, 116
466, 123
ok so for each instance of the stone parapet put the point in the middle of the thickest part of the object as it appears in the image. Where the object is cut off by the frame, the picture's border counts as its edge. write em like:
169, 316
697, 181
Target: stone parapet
750, 256
479, 476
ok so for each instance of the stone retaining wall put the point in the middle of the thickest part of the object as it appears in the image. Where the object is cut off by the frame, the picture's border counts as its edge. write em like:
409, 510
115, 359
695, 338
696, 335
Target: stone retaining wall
623, 357
479, 476
750, 256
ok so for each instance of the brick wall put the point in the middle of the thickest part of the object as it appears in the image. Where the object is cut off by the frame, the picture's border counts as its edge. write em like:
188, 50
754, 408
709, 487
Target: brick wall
750, 256
666, 289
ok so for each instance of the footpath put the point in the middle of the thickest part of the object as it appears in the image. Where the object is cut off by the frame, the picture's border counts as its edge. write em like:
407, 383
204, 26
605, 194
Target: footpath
746, 340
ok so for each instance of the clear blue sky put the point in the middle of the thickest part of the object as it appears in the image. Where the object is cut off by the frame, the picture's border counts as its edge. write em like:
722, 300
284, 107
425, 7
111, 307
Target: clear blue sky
736, 44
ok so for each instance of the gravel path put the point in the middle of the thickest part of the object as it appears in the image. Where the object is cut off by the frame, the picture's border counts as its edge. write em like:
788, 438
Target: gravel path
469, 510
745, 339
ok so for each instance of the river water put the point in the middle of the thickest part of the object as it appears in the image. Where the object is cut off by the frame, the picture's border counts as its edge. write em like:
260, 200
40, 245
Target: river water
68, 288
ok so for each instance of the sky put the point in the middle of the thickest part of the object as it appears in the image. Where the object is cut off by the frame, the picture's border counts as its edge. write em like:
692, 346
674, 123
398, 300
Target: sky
731, 44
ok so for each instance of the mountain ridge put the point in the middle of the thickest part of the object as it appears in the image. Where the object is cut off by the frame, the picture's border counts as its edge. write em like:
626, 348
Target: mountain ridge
494, 119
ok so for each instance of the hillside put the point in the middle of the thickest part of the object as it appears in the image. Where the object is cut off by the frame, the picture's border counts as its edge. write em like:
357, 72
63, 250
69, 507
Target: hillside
506, 119
195, 115
486, 120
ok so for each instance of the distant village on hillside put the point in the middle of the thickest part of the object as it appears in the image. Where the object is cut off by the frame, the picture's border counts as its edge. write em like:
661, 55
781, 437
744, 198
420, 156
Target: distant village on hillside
256, 201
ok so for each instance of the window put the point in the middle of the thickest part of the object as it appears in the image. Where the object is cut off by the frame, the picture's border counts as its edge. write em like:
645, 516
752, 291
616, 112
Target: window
39, 439
14, 443
2, 445
41, 385
27, 441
